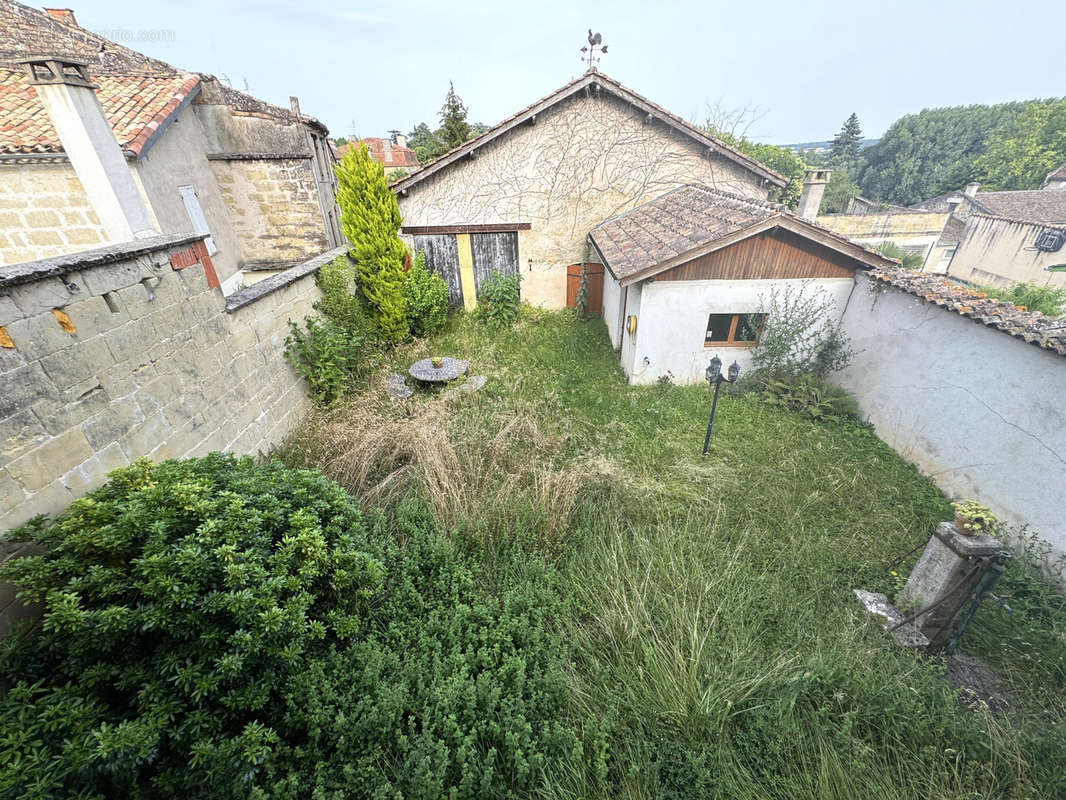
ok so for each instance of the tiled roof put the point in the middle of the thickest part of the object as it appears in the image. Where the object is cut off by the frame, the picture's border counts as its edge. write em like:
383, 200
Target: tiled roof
593, 80
1057, 175
1036, 205
693, 217
1033, 327
673, 224
135, 105
397, 156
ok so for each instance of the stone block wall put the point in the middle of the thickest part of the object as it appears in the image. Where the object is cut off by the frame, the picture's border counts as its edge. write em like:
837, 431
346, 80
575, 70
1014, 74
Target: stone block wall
132, 351
273, 206
44, 212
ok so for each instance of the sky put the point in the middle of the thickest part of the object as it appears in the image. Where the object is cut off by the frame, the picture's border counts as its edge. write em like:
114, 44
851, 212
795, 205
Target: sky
799, 69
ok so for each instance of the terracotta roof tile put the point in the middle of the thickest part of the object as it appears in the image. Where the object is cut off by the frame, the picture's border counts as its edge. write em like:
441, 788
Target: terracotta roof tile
135, 105
1048, 333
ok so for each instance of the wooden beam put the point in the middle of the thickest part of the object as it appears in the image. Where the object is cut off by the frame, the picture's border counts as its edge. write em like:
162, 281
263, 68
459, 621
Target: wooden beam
495, 227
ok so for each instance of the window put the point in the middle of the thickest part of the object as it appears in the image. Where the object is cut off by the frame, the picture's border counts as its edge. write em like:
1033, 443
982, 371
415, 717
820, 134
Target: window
196, 216
737, 330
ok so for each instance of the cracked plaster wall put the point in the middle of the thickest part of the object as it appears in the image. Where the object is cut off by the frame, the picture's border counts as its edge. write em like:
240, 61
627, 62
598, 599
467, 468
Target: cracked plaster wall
977, 410
585, 160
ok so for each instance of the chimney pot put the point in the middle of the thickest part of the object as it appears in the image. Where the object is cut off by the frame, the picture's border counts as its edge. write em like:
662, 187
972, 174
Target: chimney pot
294, 104
401, 140
971, 189
64, 15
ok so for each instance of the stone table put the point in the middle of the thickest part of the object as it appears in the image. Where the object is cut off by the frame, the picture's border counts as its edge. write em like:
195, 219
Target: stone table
449, 370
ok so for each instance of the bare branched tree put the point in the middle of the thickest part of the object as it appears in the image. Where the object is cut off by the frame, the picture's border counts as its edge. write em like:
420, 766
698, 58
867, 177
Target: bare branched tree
732, 121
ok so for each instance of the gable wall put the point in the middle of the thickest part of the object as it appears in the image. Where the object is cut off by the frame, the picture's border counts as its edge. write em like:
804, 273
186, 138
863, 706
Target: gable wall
998, 251
774, 255
585, 160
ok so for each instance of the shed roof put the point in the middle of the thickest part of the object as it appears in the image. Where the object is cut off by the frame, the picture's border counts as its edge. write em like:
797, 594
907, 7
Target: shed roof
593, 80
695, 219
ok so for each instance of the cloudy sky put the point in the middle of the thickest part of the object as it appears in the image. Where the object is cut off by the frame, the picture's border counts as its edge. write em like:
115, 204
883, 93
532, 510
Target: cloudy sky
369, 66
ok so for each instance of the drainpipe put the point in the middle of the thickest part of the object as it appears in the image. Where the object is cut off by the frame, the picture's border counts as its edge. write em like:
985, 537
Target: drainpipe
69, 97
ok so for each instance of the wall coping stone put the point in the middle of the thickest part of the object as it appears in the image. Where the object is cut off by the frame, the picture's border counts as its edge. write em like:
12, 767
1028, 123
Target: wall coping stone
259, 290
30, 271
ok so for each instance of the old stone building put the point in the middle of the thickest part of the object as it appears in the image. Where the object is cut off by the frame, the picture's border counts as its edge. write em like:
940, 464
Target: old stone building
100, 144
523, 195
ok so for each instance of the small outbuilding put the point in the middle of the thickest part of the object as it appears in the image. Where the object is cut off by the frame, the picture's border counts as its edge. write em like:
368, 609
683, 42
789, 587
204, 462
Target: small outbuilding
688, 275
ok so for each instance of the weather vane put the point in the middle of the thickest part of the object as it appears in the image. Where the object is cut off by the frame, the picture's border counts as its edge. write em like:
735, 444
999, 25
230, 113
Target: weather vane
589, 53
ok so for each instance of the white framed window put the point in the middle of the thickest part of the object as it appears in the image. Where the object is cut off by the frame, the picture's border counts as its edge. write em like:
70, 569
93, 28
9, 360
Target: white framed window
196, 216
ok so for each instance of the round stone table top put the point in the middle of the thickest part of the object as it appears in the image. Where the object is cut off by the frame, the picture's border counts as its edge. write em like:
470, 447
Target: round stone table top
449, 370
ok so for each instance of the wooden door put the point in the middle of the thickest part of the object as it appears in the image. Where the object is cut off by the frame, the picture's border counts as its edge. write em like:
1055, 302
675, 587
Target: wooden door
442, 258
594, 282
493, 252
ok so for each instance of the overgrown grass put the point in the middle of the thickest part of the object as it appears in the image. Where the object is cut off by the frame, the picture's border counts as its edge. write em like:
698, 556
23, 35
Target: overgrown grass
1048, 300
715, 645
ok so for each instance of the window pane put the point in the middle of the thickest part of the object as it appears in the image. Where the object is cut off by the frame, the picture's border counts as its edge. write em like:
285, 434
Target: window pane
718, 327
748, 327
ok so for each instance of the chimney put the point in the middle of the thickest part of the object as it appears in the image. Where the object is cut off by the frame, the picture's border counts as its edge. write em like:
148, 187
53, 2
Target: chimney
814, 183
386, 146
64, 15
69, 97
971, 189
294, 104
400, 139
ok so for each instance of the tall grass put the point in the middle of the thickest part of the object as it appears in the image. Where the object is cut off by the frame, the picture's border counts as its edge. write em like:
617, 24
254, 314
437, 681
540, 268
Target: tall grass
715, 646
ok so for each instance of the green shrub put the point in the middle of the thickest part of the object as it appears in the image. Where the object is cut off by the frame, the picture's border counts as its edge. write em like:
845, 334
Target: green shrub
427, 298
325, 355
812, 397
499, 299
219, 629
370, 219
179, 599
1047, 300
341, 300
802, 335
906, 260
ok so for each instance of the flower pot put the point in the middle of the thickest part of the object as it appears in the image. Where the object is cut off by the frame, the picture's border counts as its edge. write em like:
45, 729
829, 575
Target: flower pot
437, 363
962, 522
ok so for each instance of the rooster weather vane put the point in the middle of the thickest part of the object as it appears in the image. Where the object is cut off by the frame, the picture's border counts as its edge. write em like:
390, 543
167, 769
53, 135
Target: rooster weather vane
588, 53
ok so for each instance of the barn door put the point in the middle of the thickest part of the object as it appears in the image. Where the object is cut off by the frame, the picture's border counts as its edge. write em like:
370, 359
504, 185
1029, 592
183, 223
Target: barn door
442, 258
493, 252
594, 294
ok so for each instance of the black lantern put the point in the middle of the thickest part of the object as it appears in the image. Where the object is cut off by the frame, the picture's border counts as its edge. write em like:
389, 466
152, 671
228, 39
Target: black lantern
716, 379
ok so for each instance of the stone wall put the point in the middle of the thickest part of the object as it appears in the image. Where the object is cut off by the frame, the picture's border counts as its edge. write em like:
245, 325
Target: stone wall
129, 351
273, 206
585, 160
975, 408
44, 212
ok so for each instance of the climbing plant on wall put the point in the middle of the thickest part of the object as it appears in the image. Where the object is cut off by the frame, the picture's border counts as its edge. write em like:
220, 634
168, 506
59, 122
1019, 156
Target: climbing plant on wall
370, 219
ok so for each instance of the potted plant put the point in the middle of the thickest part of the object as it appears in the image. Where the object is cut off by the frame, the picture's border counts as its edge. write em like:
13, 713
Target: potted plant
974, 519
437, 362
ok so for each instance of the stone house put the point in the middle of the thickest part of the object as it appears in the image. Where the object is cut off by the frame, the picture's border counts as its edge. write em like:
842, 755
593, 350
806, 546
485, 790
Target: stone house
522, 196
100, 144
689, 276
392, 153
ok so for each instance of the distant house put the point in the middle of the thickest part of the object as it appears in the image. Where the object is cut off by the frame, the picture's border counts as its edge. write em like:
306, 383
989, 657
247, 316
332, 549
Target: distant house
689, 274
1005, 237
392, 153
100, 144
522, 196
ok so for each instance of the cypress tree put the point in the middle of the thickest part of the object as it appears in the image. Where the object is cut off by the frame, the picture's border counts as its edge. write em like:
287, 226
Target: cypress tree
370, 219
454, 129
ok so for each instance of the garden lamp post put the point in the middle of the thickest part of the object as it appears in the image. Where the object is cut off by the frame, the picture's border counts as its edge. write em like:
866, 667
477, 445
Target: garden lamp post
716, 379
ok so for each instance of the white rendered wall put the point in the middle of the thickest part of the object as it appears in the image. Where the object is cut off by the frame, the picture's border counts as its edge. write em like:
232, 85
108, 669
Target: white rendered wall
633, 369
612, 309
673, 321
977, 410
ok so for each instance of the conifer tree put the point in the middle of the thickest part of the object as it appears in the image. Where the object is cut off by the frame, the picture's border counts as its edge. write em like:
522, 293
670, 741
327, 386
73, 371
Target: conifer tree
454, 129
846, 143
370, 219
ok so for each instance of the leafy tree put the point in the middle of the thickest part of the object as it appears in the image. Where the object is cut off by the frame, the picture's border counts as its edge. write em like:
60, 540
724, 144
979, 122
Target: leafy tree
426, 144
454, 129
922, 155
1020, 154
340, 141
838, 192
846, 142
370, 219
780, 159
